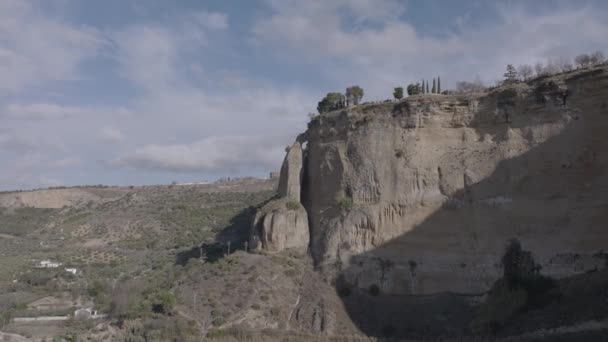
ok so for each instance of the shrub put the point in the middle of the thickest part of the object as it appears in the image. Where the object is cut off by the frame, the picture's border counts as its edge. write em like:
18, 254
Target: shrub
346, 203
292, 205
162, 301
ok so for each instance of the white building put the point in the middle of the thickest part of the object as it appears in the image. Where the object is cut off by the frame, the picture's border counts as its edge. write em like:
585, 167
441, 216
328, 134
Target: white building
48, 264
74, 271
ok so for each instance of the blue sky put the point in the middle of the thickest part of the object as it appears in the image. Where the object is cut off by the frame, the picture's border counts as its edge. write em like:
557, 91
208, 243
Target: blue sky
127, 92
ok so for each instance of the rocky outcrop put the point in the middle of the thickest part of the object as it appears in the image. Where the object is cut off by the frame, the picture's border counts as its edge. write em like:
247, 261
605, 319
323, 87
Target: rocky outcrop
283, 223
280, 224
291, 173
421, 196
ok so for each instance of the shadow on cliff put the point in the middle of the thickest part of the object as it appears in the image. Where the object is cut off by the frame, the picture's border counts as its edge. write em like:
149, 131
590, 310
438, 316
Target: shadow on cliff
229, 239
539, 194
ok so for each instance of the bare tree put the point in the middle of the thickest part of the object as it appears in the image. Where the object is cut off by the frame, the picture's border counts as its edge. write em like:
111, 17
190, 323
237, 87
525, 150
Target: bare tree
524, 72
597, 57
539, 69
469, 87
565, 64
583, 60
552, 67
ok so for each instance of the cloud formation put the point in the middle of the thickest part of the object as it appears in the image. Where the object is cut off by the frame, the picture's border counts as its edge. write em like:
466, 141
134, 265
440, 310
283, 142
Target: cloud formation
172, 88
210, 154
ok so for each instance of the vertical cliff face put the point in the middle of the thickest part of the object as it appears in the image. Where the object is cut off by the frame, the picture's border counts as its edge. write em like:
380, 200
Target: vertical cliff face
421, 196
283, 222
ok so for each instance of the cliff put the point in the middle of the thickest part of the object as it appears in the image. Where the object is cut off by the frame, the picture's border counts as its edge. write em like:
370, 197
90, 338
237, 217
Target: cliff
422, 195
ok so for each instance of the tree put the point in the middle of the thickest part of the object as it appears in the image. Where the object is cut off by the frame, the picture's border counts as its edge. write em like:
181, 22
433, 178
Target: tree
552, 67
539, 69
331, 101
434, 90
469, 87
398, 93
354, 94
583, 60
596, 58
413, 89
511, 74
524, 72
438, 85
423, 88
427, 87
565, 64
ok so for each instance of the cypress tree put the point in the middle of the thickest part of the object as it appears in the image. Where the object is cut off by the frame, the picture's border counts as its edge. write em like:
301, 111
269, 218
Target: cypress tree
423, 89
434, 89
438, 85
427, 87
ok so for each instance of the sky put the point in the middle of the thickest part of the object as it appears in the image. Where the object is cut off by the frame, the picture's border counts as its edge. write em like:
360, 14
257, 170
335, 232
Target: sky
132, 92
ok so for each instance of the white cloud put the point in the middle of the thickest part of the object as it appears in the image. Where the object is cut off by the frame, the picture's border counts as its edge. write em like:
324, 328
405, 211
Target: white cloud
390, 51
20, 143
212, 20
210, 154
35, 48
111, 135
47, 111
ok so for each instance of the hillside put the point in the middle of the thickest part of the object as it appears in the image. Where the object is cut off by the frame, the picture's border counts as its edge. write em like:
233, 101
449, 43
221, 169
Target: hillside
389, 220
110, 235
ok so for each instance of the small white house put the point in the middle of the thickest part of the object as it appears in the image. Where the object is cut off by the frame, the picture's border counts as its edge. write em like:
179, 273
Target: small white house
74, 271
87, 313
48, 264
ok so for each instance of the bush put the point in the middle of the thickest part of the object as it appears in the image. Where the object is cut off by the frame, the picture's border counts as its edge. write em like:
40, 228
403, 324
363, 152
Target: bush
162, 301
292, 205
521, 288
346, 203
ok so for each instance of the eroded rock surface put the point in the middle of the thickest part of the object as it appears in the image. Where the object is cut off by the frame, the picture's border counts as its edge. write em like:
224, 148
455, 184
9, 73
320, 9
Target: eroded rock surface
291, 173
280, 224
421, 196
283, 223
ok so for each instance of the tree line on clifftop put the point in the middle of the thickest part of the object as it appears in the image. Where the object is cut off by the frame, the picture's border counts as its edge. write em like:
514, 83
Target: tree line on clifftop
354, 94
522, 73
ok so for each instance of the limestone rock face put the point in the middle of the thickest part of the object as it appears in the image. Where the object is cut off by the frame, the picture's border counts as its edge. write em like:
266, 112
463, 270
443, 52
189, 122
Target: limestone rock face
280, 224
283, 223
291, 173
422, 196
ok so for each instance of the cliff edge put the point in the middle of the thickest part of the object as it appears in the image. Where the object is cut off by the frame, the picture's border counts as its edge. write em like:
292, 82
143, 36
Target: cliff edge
421, 196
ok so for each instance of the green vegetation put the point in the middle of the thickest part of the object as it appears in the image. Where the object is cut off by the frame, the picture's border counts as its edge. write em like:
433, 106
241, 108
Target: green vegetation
354, 94
511, 74
22, 221
398, 93
414, 89
292, 205
331, 101
345, 203
521, 288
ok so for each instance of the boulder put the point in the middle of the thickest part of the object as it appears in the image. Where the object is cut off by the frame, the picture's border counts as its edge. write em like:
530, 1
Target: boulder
283, 222
280, 224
